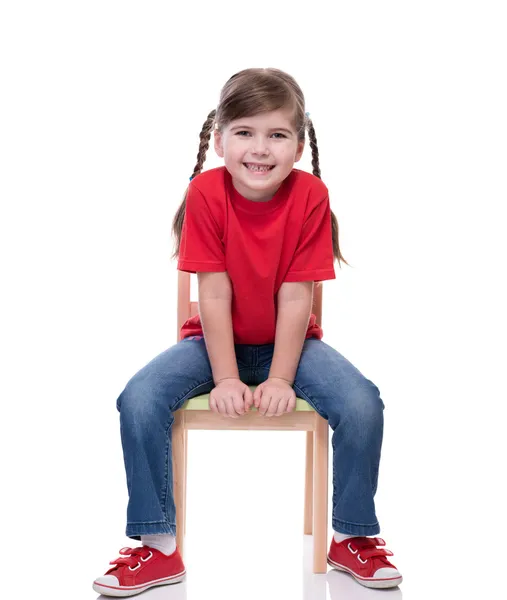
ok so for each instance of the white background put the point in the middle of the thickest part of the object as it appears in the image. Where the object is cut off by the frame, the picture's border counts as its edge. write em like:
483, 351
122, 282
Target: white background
101, 108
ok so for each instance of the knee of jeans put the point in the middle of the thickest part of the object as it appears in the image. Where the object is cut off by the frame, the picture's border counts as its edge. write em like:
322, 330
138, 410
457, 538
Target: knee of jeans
374, 392
138, 406
365, 407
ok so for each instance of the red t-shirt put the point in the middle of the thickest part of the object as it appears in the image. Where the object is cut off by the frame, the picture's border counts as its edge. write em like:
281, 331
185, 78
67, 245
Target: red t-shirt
259, 244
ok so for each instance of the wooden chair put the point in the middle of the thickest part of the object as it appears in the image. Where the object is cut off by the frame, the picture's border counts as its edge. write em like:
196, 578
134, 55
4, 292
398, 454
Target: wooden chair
195, 414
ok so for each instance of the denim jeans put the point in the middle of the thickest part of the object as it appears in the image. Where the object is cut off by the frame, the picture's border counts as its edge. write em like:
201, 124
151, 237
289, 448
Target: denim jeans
325, 379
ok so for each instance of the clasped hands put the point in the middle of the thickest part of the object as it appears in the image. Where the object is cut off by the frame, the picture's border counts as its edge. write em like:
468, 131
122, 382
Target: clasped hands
233, 398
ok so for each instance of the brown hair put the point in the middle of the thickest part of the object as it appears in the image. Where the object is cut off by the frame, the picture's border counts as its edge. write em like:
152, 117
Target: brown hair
248, 93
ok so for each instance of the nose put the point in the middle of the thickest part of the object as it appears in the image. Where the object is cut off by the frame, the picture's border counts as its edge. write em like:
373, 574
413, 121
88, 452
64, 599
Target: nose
259, 145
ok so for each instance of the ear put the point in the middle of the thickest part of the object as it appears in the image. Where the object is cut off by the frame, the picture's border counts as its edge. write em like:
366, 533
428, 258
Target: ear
218, 143
299, 152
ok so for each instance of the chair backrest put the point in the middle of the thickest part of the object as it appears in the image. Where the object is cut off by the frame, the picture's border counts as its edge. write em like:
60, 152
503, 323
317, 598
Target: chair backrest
187, 308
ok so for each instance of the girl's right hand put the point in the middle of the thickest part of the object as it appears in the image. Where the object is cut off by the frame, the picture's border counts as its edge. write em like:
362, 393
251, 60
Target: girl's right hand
231, 398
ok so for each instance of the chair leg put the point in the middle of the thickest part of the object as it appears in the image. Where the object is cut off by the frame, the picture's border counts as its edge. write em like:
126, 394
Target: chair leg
178, 450
308, 484
320, 494
185, 483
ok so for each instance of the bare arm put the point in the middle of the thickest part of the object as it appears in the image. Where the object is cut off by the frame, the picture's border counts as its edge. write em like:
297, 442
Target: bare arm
294, 310
215, 297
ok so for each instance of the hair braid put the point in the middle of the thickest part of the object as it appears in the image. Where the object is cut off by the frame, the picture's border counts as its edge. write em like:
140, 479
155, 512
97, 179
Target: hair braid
312, 140
316, 171
204, 136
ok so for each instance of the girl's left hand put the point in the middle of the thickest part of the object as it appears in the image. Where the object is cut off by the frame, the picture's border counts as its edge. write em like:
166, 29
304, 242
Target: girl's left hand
274, 397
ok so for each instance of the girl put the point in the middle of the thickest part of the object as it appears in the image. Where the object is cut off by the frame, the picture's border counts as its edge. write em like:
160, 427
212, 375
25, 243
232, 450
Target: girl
258, 233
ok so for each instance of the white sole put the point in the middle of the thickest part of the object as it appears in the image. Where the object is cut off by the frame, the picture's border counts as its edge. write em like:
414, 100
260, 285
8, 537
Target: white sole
371, 583
109, 590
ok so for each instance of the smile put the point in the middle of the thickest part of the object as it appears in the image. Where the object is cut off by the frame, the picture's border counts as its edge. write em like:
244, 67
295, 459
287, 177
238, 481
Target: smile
259, 169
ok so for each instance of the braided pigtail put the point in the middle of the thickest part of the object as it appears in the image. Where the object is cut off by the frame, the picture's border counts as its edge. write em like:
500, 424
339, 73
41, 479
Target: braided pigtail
316, 171
204, 137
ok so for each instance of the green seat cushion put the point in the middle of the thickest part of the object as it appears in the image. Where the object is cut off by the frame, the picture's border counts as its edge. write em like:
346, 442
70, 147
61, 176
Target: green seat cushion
202, 403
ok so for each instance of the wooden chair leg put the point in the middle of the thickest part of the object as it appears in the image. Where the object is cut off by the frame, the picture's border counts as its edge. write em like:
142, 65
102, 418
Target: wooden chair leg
178, 450
320, 493
185, 483
308, 524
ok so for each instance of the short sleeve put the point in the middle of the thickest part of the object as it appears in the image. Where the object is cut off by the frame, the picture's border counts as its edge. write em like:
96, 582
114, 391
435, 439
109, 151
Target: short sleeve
314, 258
201, 247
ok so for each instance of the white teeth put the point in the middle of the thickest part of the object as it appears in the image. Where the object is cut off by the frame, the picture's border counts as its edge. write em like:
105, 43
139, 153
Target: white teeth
257, 168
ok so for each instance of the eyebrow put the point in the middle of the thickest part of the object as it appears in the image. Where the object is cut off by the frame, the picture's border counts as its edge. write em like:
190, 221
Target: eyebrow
272, 129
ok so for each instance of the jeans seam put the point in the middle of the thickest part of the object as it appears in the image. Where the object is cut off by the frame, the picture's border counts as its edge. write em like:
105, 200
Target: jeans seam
357, 524
301, 393
166, 522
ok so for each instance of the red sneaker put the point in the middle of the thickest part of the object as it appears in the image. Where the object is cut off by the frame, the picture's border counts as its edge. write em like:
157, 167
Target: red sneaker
139, 569
368, 564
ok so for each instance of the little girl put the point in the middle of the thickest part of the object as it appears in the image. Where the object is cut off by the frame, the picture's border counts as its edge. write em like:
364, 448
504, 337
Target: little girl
258, 233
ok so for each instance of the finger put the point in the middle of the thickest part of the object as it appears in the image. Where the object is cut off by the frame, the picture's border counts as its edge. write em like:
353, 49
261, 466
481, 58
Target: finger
213, 403
257, 396
273, 406
229, 407
292, 403
264, 405
221, 407
248, 397
238, 404
282, 407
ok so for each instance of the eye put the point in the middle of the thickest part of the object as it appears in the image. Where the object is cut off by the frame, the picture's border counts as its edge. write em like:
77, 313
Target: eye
278, 133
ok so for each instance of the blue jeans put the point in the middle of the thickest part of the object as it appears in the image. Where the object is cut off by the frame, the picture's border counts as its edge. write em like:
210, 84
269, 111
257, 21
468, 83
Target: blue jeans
324, 378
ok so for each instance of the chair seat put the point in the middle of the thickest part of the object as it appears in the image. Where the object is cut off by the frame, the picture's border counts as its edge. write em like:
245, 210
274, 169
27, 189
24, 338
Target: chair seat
202, 403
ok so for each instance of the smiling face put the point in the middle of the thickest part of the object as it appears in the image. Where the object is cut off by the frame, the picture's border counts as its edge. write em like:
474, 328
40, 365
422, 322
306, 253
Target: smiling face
267, 139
